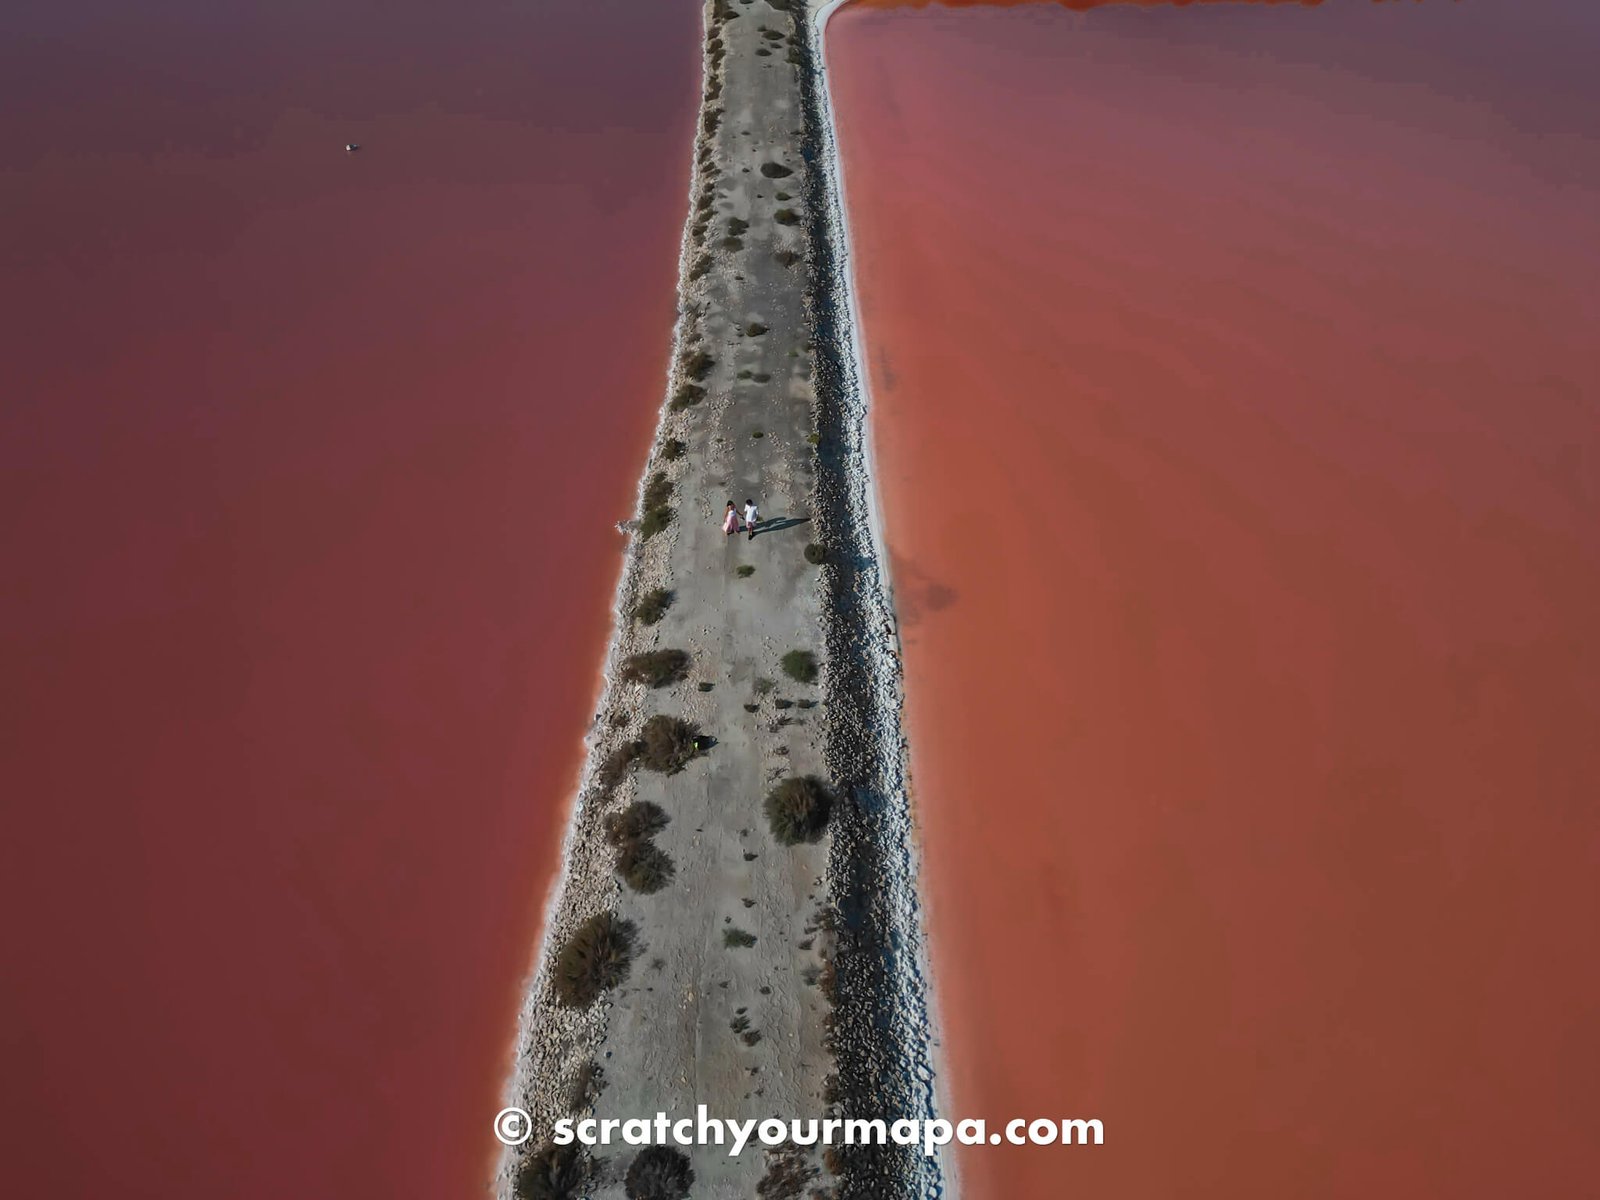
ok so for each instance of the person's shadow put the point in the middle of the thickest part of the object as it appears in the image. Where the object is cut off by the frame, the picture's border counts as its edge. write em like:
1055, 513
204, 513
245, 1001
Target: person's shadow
774, 524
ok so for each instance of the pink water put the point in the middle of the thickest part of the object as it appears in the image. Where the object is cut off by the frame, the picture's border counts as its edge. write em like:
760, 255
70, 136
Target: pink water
309, 465
1235, 375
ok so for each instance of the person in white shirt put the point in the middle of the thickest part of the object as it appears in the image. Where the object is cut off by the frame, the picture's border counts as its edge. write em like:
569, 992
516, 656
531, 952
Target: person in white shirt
751, 518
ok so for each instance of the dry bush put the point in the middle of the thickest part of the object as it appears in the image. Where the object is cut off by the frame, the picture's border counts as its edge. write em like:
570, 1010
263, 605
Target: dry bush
774, 170
639, 820
652, 606
697, 363
596, 957
655, 668
667, 744
658, 491
585, 1085
797, 809
659, 1173
553, 1173
617, 764
655, 520
657, 512
789, 1170
644, 866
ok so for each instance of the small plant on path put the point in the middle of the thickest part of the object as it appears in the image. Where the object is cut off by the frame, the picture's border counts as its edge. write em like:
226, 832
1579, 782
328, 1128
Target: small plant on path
800, 666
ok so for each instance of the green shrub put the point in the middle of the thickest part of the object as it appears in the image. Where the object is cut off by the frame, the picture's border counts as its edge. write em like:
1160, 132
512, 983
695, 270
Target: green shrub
667, 744
774, 170
745, 571
815, 553
553, 1173
656, 668
755, 329
797, 809
638, 821
672, 449
652, 606
596, 957
659, 1173
787, 257
786, 216
737, 939
800, 666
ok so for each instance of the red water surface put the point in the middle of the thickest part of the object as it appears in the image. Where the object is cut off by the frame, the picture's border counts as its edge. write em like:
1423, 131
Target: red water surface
309, 465
1235, 375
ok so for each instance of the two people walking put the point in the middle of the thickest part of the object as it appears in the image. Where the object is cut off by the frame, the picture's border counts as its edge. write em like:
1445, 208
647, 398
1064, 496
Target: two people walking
730, 519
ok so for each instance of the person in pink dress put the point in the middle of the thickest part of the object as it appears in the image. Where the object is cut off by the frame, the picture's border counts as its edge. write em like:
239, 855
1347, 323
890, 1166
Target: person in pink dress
730, 519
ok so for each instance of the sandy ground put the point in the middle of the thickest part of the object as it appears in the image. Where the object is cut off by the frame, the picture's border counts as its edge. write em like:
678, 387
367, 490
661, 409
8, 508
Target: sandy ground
745, 1029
